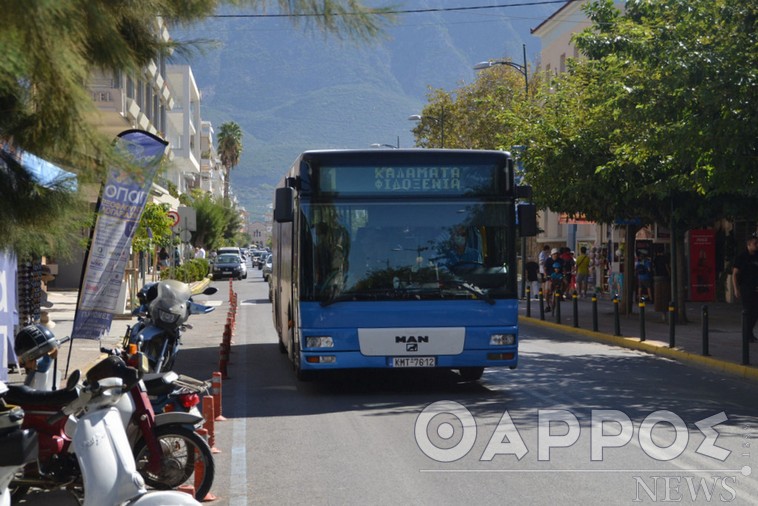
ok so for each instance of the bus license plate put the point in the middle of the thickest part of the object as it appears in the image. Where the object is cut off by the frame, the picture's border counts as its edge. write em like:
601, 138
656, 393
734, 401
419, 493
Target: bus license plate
414, 362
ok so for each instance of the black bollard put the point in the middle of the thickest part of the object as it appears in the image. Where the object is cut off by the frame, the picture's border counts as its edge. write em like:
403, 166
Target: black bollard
542, 305
641, 305
746, 333
557, 307
594, 313
672, 324
705, 331
528, 301
575, 300
616, 316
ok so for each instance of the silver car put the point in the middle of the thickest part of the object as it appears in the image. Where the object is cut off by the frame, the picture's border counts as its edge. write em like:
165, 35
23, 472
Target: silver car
267, 266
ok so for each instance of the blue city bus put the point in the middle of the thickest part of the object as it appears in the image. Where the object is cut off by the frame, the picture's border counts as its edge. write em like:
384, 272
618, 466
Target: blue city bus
398, 259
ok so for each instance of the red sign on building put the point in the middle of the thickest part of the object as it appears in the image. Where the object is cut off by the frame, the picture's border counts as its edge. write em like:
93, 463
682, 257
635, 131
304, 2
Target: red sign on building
702, 265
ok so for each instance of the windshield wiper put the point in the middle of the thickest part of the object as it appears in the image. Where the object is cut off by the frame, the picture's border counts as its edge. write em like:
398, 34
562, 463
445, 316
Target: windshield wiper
472, 289
331, 295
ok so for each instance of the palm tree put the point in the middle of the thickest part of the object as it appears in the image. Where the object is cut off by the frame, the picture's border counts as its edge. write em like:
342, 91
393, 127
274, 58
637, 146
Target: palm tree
229, 150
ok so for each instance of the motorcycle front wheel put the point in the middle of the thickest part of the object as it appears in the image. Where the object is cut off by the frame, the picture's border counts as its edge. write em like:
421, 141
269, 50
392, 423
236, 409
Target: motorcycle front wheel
187, 458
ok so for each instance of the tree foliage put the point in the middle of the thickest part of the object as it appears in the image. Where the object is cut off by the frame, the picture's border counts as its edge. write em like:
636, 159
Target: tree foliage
217, 222
660, 115
156, 220
486, 114
229, 150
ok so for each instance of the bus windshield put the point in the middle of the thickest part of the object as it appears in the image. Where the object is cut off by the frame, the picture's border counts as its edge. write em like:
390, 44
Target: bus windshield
407, 250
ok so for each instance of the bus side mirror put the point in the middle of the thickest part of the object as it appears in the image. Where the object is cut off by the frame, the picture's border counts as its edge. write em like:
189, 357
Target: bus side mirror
284, 205
527, 220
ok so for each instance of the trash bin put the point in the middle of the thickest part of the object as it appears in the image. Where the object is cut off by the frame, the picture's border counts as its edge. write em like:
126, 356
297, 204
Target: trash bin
661, 293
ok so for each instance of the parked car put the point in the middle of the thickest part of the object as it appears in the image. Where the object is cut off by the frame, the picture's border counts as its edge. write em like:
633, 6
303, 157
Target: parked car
267, 266
257, 257
229, 265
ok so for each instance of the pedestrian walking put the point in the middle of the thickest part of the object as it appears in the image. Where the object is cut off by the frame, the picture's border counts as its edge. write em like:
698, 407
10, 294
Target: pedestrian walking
582, 271
532, 276
542, 258
745, 281
643, 270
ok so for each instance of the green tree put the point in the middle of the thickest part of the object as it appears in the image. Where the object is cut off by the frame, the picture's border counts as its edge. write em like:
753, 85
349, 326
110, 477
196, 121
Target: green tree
486, 114
217, 222
229, 150
154, 218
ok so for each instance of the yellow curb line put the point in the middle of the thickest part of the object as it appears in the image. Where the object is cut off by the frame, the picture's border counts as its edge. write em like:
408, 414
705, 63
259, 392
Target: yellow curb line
656, 348
199, 286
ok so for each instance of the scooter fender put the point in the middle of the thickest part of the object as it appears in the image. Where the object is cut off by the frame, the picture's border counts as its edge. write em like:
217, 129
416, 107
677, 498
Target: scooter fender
163, 497
179, 418
105, 458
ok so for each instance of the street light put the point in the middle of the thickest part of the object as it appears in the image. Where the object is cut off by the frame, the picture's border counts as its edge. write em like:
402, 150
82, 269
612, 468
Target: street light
521, 68
382, 145
440, 120
517, 149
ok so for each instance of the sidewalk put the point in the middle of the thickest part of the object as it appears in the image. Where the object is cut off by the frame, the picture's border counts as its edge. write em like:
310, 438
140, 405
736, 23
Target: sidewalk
724, 331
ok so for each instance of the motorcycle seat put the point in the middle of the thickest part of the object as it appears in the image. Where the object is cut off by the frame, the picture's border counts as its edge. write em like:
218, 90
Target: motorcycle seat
156, 385
22, 395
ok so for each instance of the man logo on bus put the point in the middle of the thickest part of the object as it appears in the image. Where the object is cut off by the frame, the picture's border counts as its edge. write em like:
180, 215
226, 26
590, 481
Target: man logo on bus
411, 339
411, 347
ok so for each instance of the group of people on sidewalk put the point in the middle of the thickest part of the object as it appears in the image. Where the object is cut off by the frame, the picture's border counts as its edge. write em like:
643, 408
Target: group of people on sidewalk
559, 271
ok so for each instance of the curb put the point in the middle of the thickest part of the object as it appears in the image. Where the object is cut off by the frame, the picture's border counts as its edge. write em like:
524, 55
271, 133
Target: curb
655, 348
198, 286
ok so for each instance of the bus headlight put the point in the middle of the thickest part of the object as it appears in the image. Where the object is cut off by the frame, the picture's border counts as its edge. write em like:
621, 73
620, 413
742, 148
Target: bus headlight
319, 342
502, 339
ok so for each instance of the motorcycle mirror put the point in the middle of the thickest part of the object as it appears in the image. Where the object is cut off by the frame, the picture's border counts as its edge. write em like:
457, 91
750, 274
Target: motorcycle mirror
210, 290
73, 380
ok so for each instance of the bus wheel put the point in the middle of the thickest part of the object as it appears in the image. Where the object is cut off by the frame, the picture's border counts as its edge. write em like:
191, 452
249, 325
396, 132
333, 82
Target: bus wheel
471, 373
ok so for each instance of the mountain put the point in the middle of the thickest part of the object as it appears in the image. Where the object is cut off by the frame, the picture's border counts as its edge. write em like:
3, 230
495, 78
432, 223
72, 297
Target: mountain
292, 88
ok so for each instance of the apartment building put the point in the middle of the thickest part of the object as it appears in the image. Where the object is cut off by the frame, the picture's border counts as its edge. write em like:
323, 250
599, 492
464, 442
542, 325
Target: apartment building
162, 99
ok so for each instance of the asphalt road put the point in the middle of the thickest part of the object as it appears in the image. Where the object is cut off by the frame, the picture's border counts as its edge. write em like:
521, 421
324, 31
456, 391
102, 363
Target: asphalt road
519, 437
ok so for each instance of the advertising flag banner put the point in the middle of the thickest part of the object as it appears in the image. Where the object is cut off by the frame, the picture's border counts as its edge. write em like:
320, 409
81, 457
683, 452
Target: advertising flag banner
121, 204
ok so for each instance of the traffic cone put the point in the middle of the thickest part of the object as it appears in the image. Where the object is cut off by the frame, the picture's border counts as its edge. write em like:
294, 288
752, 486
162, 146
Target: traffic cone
216, 391
223, 361
209, 426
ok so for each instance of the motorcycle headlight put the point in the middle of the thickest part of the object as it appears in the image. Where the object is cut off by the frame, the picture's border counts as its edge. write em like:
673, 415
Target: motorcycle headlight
167, 317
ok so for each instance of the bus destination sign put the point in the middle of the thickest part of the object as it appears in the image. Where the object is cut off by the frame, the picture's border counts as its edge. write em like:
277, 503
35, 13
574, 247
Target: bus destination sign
443, 180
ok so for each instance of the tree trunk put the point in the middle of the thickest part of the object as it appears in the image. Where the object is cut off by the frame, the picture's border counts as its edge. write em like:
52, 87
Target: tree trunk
681, 277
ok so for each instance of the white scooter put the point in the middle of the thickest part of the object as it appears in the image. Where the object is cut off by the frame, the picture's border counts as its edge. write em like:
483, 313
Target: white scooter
109, 472
17, 446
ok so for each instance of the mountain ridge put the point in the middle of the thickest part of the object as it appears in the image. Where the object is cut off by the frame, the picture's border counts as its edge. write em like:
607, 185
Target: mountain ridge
291, 89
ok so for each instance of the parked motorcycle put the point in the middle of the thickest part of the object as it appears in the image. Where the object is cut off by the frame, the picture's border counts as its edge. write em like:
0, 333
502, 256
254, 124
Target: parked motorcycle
167, 450
18, 446
164, 309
